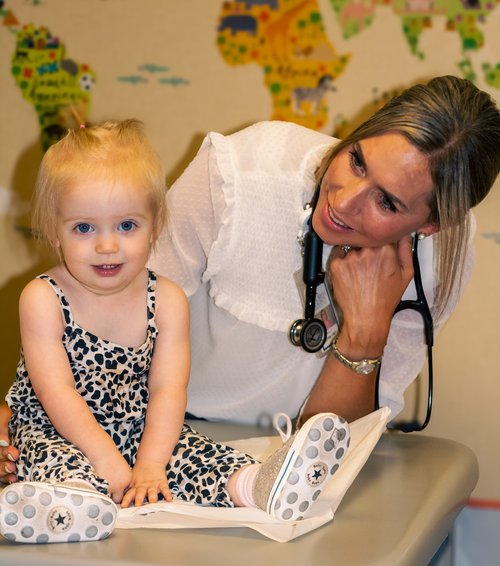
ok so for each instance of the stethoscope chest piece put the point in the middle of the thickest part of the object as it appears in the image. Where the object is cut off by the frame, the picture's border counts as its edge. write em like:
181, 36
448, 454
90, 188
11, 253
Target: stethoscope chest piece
309, 334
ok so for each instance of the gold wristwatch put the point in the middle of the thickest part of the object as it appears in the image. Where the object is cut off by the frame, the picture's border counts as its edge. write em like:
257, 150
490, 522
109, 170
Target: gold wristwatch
363, 367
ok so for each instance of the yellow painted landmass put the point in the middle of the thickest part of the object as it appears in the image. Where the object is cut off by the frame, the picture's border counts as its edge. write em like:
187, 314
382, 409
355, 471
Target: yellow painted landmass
287, 40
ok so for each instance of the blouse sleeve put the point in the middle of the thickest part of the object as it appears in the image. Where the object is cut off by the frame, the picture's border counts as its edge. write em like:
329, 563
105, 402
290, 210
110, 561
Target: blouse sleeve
194, 207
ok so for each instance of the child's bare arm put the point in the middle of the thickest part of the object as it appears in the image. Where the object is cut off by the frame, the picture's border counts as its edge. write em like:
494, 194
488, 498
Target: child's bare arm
167, 382
50, 373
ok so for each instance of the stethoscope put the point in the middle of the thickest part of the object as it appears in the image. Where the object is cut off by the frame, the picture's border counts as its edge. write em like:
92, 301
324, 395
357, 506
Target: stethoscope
310, 333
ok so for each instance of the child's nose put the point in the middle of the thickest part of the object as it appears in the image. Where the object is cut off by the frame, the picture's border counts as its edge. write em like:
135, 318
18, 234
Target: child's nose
106, 244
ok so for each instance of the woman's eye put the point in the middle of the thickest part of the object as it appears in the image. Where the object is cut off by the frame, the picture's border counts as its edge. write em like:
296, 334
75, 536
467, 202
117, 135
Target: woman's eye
127, 225
386, 203
356, 161
83, 228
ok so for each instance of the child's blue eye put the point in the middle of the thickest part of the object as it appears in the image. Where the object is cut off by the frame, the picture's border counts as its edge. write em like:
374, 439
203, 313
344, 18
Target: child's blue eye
83, 228
126, 226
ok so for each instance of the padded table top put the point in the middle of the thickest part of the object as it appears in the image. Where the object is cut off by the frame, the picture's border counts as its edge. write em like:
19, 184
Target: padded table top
397, 512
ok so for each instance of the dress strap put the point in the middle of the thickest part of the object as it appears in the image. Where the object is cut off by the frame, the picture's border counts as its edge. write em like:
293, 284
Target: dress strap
151, 303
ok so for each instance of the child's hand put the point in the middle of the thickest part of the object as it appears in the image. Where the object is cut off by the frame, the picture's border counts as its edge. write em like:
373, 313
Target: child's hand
114, 468
148, 480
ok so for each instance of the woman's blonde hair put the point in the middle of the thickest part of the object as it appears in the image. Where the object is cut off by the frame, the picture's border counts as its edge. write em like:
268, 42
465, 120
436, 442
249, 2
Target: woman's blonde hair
457, 127
110, 150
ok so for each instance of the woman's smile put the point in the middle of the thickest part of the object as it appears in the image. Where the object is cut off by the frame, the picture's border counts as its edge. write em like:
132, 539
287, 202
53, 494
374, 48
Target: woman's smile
336, 221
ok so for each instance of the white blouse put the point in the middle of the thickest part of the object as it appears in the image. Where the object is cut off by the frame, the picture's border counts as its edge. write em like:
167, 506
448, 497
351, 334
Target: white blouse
231, 243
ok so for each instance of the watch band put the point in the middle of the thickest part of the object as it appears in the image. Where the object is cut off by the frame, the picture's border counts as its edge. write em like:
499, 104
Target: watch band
361, 367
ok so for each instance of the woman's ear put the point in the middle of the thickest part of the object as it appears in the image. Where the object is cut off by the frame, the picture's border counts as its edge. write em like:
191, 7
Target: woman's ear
428, 229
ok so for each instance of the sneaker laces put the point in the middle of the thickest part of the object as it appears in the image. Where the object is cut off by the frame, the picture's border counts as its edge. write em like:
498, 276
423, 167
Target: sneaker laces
283, 425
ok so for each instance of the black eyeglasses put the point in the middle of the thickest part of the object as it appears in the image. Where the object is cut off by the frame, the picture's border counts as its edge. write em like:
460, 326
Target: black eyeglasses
421, 306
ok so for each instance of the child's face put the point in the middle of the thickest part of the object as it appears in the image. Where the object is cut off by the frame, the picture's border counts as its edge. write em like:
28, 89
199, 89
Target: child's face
104, 233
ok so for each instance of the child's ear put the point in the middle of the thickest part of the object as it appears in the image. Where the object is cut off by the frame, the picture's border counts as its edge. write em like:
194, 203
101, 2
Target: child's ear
155, 234
54, 243
55, 246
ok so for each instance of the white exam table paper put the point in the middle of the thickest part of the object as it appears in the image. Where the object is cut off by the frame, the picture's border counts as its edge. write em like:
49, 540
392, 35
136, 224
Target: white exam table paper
365, 433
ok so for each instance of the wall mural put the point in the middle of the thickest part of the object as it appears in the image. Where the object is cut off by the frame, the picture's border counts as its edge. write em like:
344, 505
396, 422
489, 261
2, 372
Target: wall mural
287, 39
145, 73
58, 87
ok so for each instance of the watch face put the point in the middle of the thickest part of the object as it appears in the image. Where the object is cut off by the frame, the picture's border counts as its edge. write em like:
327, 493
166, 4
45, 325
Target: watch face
365, 367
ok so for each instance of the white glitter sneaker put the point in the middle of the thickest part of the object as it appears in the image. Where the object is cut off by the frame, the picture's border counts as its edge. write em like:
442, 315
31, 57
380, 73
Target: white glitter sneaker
40, 512
291, 480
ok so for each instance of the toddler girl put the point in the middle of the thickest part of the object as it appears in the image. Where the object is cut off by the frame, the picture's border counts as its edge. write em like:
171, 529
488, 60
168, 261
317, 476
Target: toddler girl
100, 393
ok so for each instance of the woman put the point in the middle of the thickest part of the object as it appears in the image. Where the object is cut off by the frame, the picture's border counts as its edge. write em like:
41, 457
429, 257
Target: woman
418, 165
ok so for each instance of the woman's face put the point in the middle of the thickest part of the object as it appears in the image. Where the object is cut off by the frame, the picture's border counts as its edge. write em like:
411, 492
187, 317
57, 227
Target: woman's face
374, 192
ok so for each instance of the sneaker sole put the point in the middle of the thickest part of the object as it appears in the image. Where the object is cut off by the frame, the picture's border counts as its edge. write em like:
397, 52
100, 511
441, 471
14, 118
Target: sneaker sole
38, 512
314, 456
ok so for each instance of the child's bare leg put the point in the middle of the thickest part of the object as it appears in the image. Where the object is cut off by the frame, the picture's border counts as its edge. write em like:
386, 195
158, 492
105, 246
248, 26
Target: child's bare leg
240, 485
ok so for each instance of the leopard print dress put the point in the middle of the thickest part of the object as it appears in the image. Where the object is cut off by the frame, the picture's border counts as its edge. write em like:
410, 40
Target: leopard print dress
113, 381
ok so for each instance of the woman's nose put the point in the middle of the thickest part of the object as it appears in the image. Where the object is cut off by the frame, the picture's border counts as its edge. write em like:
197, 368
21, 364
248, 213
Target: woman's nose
349, 198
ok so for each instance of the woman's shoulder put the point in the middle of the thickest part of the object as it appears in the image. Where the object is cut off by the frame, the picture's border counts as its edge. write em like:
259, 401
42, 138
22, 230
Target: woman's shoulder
257, 137
277, 130
272, 147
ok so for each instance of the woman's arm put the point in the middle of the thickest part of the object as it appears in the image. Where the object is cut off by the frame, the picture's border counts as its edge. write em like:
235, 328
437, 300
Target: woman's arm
167, 383
368, 286
50, 374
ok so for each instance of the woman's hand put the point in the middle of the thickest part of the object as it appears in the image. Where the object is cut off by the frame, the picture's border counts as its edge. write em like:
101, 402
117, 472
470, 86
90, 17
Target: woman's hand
149, 480
368, 284
8, 454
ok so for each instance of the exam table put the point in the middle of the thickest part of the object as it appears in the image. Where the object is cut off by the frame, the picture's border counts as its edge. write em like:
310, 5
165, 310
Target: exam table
398, 512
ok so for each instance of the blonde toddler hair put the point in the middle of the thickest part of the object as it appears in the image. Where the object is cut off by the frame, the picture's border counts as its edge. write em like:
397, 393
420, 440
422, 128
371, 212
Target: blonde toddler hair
110, 151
